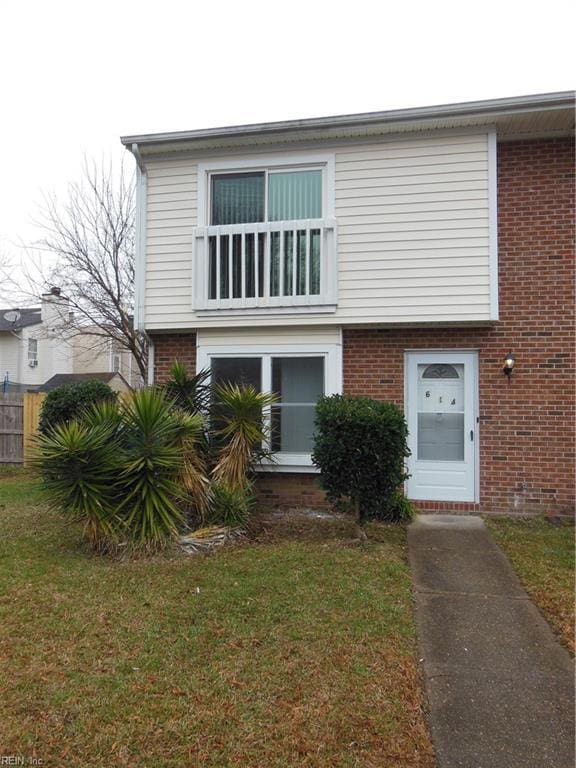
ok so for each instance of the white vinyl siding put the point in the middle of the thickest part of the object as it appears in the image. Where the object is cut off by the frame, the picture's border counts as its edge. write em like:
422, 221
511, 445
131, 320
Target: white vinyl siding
170, 221
413, 235
267, 337
413, 230
10, 353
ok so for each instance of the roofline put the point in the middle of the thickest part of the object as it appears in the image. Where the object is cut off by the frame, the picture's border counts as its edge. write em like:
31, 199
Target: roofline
544, 101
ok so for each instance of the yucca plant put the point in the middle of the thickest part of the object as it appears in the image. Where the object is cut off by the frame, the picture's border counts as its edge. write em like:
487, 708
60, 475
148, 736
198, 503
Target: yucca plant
240, 430
157, 440
105, 413
191, 393
78, 463
230, 506
195, 478
134, 471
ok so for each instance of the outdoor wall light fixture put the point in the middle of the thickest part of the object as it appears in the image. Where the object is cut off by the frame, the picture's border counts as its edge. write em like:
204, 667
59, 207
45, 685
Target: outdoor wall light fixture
508, 366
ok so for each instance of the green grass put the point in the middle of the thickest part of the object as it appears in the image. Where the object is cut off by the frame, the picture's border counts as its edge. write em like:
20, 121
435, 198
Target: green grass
543, 556
297, 649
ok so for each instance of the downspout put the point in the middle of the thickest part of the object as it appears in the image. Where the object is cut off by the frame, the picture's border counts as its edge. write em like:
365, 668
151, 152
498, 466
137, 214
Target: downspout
150, 381
140, 257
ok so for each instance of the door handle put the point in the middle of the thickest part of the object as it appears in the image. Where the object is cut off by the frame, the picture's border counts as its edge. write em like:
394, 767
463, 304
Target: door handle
471, 434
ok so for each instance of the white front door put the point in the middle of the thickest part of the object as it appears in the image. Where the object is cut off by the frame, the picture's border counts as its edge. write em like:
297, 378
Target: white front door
441, 395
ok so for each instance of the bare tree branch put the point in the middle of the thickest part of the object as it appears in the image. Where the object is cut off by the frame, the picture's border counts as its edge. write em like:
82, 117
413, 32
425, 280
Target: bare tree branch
90, 236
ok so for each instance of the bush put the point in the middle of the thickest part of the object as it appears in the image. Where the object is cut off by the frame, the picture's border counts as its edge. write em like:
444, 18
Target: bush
156, 440
400, 509
78, 465
139, 471
230, 506
123, 470
238, 432
67, 402
191, 393
360, 448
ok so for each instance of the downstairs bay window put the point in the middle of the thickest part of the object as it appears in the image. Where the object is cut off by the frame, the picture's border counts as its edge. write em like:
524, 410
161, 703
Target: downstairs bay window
298, 379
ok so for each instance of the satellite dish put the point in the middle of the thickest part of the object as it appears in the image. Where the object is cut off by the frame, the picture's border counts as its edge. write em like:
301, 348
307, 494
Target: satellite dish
12, 316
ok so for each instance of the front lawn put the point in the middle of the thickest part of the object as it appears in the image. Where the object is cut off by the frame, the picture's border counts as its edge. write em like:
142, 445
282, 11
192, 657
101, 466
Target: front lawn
297, 650
543, 556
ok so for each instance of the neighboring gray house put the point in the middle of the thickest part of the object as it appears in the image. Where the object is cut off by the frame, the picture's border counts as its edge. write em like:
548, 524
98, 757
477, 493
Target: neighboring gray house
33, 348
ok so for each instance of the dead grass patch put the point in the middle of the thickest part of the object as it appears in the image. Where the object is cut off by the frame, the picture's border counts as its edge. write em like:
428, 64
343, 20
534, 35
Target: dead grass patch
543, 555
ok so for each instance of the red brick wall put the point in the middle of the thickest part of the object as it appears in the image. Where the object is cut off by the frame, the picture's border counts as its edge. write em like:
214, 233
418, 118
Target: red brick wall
171, 347
527, 428
289, 490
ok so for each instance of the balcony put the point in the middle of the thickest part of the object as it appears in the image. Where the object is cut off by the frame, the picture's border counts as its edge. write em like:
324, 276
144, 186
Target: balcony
267, 265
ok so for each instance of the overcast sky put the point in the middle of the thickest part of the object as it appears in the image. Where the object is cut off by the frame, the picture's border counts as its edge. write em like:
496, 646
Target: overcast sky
74, 76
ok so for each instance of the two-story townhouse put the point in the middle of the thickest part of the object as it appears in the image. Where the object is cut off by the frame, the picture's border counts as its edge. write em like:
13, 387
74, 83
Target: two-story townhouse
404, 255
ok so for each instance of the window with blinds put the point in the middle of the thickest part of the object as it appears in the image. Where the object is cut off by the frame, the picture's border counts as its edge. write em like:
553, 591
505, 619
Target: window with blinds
248, 198
269, 237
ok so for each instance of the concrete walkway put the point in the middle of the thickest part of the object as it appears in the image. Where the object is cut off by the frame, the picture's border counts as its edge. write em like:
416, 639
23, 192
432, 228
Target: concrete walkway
500, 687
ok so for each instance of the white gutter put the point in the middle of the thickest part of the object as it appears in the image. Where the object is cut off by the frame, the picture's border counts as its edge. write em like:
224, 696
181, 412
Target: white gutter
489, 107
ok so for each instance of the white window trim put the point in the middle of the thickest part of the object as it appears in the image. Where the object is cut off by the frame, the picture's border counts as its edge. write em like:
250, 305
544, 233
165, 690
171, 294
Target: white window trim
332, 354
32, 352
281, 161
112, 354
276, 162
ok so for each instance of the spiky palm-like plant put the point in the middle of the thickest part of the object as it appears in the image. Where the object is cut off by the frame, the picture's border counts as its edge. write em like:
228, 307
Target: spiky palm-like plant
242, 431
195, 479
132, 471
191, 393
128, 471
230, 506
78, 463
156, 440
103, 413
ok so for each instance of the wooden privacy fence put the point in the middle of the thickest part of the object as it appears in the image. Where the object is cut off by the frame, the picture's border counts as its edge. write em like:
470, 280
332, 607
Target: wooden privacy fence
32, 407
11, 429
19, 418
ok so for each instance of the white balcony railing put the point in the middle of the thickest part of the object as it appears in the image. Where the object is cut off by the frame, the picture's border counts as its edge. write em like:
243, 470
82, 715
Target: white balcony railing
265, 265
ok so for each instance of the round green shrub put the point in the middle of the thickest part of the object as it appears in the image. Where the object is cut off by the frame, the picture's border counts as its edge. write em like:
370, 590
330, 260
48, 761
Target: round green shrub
69, 401
360, 448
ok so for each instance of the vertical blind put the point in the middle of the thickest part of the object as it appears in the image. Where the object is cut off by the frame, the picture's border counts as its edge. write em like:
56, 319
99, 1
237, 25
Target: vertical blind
238, 198
294, 195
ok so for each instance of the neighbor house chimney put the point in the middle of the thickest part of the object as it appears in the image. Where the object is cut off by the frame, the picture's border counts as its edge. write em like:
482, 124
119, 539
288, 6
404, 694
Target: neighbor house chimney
55, 308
